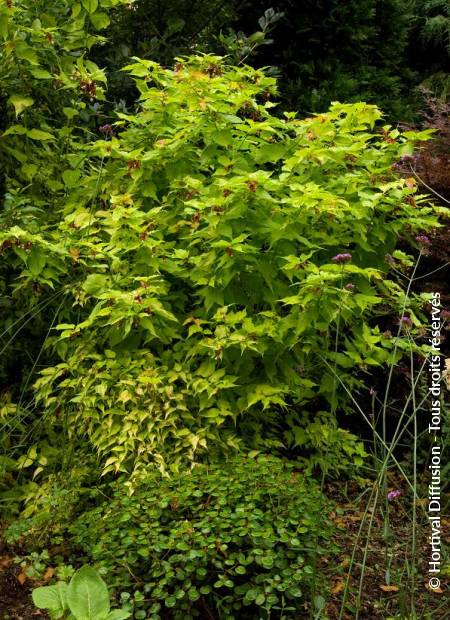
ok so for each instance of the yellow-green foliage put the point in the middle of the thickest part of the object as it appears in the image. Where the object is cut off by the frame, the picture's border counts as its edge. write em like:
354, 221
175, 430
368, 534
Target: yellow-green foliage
219, 266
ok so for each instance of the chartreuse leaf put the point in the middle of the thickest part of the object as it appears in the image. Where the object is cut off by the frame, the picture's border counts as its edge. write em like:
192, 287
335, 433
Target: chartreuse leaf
51, 598
41, 74
38, 134
20, 103
99, 20
95, 284
71, 177
25, 52
90, 5
15, 130
87, 595
4, 18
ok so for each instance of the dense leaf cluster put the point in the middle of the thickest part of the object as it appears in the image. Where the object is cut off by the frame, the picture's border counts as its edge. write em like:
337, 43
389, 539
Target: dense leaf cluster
184, 276
232, 540
205, 304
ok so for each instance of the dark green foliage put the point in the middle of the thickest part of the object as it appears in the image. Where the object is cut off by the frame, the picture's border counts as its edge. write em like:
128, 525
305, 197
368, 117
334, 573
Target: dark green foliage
332, 50
429, 50
434, 20
339, 50
158, 31
237, 539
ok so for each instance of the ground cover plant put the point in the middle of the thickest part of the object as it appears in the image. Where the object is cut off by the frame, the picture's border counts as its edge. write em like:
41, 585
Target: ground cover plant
214, 320
234, 539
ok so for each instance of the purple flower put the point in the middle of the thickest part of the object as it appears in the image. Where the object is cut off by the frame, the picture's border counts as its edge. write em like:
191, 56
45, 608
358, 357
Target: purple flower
423, 240
406, 159
445, 314
406, 321
350, 287
342, 258
393, 494
106, 129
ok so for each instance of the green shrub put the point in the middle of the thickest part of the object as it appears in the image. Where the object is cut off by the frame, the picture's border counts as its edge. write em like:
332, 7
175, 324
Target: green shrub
219, 267
237, 539
49, 506
209, 306
50, 96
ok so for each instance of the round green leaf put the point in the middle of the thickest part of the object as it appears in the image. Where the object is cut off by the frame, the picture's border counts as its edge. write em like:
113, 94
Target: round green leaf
99, 20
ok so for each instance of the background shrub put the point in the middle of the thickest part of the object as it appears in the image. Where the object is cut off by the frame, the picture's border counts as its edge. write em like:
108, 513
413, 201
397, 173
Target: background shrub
337, 50
235, 539
333, 50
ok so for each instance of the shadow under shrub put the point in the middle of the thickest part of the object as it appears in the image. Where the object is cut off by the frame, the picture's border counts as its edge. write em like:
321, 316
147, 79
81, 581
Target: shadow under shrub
236, 539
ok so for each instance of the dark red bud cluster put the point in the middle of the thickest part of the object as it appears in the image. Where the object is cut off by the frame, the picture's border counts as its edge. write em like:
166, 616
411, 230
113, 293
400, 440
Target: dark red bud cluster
133, 164
213, 71
27, 245
5, 245
89, 87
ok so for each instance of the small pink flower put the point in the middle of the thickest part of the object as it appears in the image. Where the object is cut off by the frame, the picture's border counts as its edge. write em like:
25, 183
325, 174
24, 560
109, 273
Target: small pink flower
406, 159
342, 258
406, 321
423, 240
350, 287
393, 494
